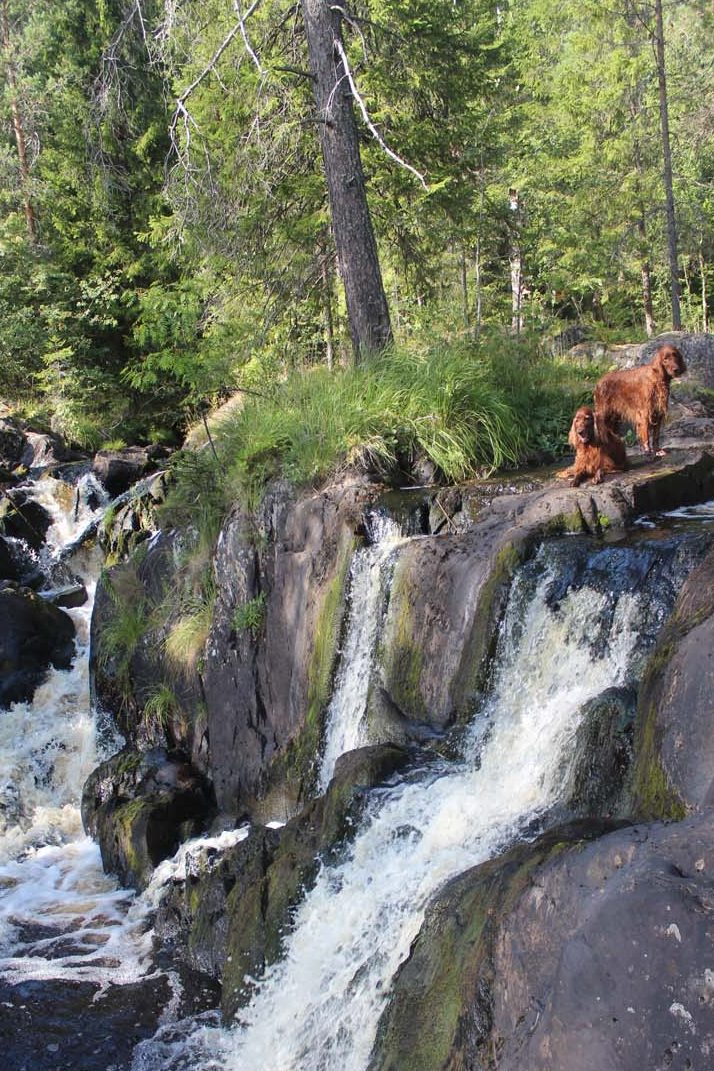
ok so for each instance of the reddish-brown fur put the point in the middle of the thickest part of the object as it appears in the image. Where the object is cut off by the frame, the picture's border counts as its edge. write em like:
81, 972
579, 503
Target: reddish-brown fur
596, 451
639, 396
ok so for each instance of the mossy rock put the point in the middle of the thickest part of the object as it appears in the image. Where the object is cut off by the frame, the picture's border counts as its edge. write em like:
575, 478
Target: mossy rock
440, 1011
261, 913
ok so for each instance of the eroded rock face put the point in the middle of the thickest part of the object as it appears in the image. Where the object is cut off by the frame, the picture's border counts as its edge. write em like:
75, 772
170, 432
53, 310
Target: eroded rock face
272, 647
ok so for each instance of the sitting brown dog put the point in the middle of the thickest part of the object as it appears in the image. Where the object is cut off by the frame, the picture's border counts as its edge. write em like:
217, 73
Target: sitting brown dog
639, 396
596, 451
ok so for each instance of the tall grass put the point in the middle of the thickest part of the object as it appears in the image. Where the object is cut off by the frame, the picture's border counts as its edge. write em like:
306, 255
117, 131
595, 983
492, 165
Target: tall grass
468, 408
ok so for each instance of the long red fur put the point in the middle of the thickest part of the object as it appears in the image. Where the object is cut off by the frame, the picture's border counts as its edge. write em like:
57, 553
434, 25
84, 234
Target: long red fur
597, 450
639, 396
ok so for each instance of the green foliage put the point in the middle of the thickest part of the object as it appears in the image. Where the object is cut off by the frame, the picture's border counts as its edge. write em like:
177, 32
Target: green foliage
469, 408
250, 615
160, 707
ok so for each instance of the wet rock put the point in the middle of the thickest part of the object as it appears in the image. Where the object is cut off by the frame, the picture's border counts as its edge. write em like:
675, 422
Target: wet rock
566, 955
69, 596
194, 915
140, 807
260, 913
604, 748
119, 469
45, 449
674, 769
21, 517
34, 635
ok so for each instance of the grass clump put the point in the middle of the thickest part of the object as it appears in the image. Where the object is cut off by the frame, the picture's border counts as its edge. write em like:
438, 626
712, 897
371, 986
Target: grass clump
469, 408
160, 707
250, 615
186, 637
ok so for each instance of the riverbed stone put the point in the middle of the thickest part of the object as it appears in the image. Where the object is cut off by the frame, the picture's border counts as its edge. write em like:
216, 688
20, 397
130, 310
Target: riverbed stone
140, 806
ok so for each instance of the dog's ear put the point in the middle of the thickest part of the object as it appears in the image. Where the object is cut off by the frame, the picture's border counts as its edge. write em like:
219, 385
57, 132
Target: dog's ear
572, 437
596, 428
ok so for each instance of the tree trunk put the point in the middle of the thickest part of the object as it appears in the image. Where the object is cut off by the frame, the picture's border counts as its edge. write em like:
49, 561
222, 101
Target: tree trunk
667, 169
367, 309
516, 264
17, 125
703, 273
329, 322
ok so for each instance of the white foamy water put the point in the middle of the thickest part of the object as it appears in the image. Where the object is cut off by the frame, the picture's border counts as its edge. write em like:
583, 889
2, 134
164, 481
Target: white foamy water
60, 915
370, 578
319, 1007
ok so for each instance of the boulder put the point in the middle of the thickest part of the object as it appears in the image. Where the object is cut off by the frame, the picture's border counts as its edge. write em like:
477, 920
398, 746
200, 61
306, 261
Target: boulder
34, 635
119, 469
45, 449
21, 517
12, 444
140, 806
587, 949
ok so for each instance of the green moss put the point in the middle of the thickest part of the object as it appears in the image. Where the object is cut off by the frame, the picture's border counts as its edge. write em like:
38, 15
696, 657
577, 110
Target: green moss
566, 524
654, 798
471, 677
400, 654
298, 764
652, 794
440, 1010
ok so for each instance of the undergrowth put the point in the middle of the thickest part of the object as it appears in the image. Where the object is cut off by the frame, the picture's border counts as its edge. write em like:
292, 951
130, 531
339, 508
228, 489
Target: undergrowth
469, 408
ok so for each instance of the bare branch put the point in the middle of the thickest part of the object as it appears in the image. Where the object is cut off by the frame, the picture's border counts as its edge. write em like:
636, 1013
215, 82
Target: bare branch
370, 125
244, 33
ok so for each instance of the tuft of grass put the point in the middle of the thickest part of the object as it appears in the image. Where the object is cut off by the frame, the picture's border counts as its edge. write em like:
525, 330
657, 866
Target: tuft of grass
187, 635
470, 407
160, 707
250, 615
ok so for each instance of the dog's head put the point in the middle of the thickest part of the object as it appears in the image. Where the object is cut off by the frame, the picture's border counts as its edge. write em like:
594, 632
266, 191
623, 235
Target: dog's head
582, 430
670, 360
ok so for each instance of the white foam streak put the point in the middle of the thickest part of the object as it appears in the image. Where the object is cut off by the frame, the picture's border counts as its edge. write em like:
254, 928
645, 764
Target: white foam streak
60, 916
370, 577
320, 1006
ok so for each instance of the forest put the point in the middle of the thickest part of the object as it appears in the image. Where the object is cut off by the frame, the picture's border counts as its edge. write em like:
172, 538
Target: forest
172, 225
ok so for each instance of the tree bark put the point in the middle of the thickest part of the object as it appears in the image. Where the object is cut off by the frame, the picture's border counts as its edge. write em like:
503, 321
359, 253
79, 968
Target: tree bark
367, 309
516, 263
18, 127
667, 169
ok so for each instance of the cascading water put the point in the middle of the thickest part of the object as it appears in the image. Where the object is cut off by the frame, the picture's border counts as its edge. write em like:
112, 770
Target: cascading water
370, 578
318, 1008
60, 916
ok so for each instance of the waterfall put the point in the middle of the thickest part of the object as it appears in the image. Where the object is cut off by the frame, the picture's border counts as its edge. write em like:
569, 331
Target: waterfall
61, 917
318, 1008
369, 582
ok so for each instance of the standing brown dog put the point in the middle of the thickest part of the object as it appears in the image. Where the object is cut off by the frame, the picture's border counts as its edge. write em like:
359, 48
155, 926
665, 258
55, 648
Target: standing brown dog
639, 396
597, 451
